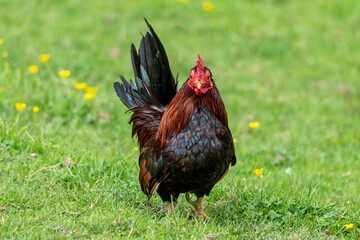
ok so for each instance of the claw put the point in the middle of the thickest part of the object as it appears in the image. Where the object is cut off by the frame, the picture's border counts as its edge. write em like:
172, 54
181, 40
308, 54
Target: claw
202, 216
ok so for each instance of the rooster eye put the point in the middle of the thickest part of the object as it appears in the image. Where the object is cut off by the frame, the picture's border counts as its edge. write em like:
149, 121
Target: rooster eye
191, 77
208, 78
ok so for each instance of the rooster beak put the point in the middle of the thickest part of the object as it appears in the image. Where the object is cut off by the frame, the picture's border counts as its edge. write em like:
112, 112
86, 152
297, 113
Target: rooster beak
199, 84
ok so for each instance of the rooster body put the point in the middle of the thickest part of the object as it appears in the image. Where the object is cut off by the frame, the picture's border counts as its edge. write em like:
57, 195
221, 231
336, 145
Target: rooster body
185, 142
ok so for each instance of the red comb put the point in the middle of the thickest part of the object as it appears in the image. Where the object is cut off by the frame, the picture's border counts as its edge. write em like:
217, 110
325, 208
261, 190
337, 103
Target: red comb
200, 68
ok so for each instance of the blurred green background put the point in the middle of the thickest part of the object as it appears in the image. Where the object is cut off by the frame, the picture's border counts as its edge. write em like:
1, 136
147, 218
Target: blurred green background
293, 66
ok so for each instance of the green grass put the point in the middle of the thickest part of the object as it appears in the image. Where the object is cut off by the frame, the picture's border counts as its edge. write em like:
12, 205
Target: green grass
291, 65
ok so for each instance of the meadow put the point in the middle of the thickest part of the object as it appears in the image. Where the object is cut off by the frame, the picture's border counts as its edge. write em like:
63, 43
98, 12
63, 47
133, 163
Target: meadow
68, 167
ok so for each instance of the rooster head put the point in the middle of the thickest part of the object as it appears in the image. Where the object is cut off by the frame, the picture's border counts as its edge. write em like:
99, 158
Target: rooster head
200, 79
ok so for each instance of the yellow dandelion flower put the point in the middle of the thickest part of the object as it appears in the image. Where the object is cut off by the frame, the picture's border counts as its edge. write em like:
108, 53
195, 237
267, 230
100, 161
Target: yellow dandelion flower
234, 140
36, 109
24, 128
254, 125
81, 86
1, 41
89, 96
259, 172
91, 89
0, 118
183, 1
2, 89
5, 54
208, 6
135, 149
349, 226
33, 69
44, 58
64, 74
20, 106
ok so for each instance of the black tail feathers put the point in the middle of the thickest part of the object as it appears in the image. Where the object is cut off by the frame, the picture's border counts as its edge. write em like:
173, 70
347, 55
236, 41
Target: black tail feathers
155, 84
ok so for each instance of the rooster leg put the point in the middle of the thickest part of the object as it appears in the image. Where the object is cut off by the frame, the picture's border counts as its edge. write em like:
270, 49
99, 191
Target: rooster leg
199, 207
170, 207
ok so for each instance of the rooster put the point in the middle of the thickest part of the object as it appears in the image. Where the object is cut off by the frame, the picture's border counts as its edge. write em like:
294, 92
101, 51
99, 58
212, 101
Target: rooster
185, 141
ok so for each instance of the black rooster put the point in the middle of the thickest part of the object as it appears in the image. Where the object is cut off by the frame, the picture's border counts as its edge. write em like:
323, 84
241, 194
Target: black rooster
185, 142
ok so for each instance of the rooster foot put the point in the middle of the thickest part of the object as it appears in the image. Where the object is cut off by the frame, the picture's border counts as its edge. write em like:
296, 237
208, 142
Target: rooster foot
200, 215
198, 212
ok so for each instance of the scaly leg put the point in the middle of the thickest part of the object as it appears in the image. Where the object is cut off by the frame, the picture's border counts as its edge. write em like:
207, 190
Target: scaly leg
170, 207
199, 207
